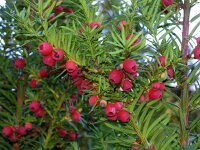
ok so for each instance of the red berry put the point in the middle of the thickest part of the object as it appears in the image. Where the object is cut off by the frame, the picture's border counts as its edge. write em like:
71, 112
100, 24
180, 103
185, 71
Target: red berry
170, 72
34, 106
28, 125
76, 116
73, 98
93, 99
118, 105
7, 130
158, 85
40, 112
123, 115
134, 42
71, 66
48, 60
62, 132
58, 54
162, 60
142, 98
130, 66
21, 131
167, 2
77, 80
155, 94
33, 83
58, 9
45, 48
110, 110
74, 73
72, 109
95, 24
68, 10
115, 76
112, 118
197, 53
72, 136
19, 63
126, 85
43, 73
122, 23
198, 41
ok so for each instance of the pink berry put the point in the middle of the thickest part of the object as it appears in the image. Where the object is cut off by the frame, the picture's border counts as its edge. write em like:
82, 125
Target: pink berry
28, 125
74, 73
48, 60
197, 53
58, 54
58, 9
93, 99
122, 23
40, 112
62, 132
142, 98
198, 41
34, 106
167, 2
7, 130
112, 118
126, 85
118, 105
68, 10
162, 60
33, 83
115, 76
72, 136
71, 66
76, 116
158, 85
21, 131
19, 63
110, 110
43, 73
123, 115
45, 48
170, 72
130, 66
76, 81
95, 24
155, 94
72, 109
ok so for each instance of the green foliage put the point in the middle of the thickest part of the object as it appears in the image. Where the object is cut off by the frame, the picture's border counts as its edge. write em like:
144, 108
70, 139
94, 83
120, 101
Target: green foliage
160, 124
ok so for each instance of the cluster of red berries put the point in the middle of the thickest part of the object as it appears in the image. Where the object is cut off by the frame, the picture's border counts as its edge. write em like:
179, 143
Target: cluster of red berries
43, 73
77, 78
197, 49
15, 133
156, 90
116, 76
63, 133
50, 55
35, 107
115, 111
